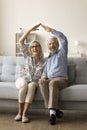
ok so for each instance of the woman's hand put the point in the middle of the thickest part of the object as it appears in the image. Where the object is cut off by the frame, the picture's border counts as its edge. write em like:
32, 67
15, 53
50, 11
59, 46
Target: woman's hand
23, 70
35, 27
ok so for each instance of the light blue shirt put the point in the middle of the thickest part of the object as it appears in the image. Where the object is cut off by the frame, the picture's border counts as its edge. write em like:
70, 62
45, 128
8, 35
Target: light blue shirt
57, 63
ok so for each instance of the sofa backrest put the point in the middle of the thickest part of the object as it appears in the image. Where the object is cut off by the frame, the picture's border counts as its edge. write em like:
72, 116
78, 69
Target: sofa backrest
71, 73
79, 69
10, 68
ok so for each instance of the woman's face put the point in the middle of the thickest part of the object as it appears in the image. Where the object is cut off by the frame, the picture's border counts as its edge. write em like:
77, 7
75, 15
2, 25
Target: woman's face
35, 48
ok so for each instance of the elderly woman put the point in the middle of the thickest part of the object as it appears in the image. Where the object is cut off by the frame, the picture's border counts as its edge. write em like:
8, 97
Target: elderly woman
34, 70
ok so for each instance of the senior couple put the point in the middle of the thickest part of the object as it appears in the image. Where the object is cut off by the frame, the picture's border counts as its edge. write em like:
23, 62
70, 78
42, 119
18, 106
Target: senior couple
49, 74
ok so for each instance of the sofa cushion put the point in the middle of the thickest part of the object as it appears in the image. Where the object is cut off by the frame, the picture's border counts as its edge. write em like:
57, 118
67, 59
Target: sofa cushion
74, 93
8, 90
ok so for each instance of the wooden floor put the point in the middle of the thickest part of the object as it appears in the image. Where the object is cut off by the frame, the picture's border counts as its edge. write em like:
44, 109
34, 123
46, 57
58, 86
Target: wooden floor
72, 120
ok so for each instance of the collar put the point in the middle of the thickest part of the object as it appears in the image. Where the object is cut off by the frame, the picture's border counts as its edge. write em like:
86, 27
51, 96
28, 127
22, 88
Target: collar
51, 54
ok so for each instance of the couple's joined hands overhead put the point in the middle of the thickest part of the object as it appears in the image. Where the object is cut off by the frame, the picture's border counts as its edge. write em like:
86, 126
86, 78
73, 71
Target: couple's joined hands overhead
46, 28
34, 28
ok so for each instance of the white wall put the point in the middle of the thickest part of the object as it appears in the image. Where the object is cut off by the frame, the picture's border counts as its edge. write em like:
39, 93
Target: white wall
69, 16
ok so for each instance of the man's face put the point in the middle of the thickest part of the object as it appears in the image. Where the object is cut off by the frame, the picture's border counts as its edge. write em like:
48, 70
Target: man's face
52, 45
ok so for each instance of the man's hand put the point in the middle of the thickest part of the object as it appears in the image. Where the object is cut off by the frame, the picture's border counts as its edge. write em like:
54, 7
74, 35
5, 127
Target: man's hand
46, 28
41, 81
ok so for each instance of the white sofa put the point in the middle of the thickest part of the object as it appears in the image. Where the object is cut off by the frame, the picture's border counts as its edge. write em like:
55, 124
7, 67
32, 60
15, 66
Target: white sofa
73, 97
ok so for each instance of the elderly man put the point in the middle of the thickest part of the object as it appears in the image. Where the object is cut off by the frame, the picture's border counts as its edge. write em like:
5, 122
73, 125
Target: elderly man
56, 72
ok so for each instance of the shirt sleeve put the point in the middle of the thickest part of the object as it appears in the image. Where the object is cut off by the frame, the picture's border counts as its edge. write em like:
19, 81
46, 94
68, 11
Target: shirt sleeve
62, 40
25, 50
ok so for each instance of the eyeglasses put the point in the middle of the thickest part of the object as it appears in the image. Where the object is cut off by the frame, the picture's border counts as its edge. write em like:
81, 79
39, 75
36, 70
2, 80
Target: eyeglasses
34, 46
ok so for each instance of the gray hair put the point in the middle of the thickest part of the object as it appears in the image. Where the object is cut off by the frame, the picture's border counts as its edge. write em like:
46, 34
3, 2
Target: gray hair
53, 37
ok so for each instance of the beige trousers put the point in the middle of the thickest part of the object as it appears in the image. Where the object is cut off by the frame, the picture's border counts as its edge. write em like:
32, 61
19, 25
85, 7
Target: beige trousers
27, 92
50, 91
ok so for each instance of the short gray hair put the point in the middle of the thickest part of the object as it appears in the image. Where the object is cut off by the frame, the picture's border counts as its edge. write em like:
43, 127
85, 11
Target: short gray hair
53, 37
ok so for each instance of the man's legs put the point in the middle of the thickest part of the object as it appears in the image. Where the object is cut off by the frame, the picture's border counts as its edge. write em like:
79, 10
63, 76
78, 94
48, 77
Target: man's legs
45, 92
50, 92
55, 85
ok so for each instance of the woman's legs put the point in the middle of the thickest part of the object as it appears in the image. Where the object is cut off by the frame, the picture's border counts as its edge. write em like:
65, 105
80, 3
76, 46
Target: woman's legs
25, 97
21, 98
25, 110
20, 108
29, 97
31, 92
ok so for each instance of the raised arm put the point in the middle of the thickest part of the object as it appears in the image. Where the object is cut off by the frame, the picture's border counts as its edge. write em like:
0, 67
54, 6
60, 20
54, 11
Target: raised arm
24, 36
60, 36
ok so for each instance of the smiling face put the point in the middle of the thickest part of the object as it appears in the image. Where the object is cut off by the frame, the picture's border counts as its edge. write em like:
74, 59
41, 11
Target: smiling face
52, 44
35, 48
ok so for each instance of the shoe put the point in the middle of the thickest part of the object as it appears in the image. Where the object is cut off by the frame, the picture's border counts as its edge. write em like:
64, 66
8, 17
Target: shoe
25, 119
18, 118
52, 119
59, 114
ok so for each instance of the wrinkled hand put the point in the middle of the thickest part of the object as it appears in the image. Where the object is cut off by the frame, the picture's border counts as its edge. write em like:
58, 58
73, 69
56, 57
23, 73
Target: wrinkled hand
46, 28
41, 81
